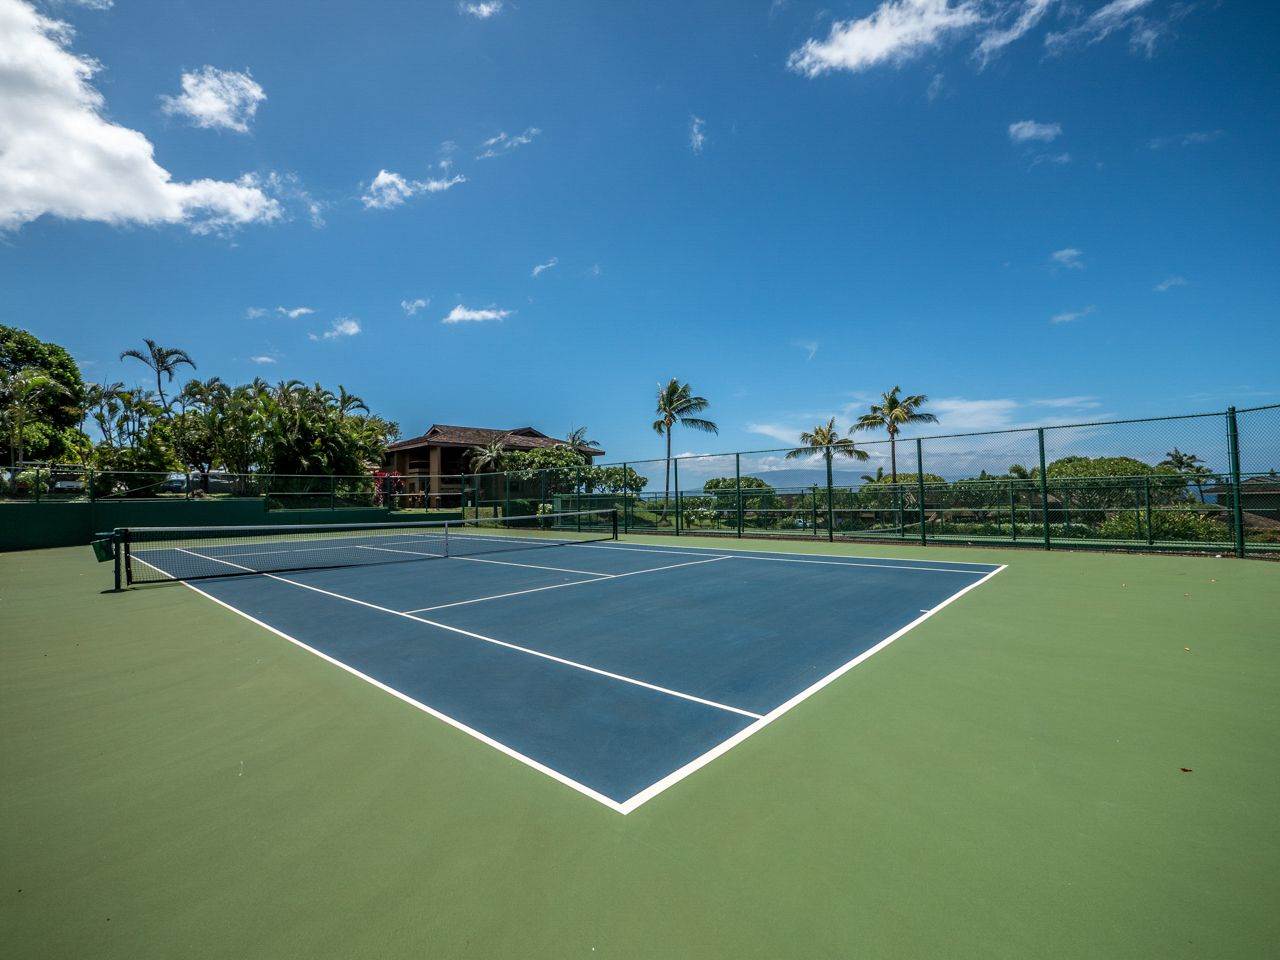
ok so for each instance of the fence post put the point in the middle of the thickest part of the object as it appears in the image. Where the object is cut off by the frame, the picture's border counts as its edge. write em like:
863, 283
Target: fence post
1146, 500
924, 538
1066, 510
626, 497
1013, 511
506, 494
88, 479
737, 482
675, 464
831, 507
1044, 491
1237, 510
333, 492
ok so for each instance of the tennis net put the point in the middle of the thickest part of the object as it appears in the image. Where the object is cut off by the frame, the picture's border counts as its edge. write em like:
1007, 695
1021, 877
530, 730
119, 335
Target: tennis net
156, 554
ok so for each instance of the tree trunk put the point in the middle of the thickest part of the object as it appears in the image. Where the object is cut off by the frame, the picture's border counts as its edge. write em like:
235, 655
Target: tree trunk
666, 490
893, 455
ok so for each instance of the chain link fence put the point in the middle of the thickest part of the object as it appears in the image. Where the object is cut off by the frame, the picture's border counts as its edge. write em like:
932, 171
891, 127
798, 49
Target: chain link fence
1198, 483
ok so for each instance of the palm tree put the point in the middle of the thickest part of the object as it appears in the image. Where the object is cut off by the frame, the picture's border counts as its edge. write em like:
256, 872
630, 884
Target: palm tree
163, 361
1182, 462
676, 404
825, 437
578, 438
890, 414
487, 458
879, 476
20, 394
1189, 464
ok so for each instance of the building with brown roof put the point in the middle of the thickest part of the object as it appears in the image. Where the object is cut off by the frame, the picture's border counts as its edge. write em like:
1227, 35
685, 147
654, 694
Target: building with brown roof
433, 464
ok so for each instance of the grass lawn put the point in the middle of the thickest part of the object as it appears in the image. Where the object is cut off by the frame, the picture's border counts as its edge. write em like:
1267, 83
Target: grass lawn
1007, 780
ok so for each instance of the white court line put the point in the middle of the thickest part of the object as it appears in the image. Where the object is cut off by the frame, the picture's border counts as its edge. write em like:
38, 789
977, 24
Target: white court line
747, 555
498, 745
725, 746
500, 643
743, 552
573, 583
505, 563
671, 779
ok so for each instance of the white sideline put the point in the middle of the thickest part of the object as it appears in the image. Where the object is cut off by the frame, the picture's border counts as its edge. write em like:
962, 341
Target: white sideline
659, 786
574, 583
500, 643
725, 746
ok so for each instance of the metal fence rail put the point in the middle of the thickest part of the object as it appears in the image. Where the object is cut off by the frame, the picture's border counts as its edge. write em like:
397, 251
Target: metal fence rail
1203, 482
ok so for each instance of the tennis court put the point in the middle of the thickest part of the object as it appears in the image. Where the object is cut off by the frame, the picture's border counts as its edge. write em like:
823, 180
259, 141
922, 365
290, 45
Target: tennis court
617, 669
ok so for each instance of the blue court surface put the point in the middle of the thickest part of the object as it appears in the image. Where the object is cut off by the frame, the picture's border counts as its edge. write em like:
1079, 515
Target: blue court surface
616, 668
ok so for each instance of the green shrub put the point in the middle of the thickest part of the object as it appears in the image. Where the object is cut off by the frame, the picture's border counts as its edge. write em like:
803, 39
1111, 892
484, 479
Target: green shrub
1166, 525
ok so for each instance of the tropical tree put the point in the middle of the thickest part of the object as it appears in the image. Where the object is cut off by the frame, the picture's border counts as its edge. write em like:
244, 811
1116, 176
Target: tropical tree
487, 458
578, 438
51, 421
1189, 464
163, 362
676, 405
877, 477
825, 439
891, 414
22, 395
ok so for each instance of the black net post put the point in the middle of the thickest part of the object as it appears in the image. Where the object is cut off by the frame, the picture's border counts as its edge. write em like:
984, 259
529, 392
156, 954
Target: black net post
118, 560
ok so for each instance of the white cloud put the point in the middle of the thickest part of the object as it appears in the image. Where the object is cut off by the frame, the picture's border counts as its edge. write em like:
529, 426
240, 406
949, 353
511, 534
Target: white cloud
810, 347
217, 99
461, 314
1083, 402
1167, 284
287, 187
958, 413
482, 10
262, 360
543, 267
255, 313
697, 133
389, 189
1106, 20
1068, 257
1185, 140
342, 327
776, 431
410, 307
60, 156
993, 41
595, 270
937, 87
1024, 131
502, 144
897, 31
293, 313
1055, 158
1071, 316
91, 4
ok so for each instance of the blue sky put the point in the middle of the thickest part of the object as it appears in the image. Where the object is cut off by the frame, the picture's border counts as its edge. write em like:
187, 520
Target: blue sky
1031, 210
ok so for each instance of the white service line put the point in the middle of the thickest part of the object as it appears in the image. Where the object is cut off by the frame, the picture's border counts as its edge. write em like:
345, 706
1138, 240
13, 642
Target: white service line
556, 586
724, 746
505, 563
501, 643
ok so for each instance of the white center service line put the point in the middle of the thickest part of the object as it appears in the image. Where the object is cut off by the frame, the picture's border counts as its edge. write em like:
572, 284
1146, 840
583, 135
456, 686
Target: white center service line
556, 586
500, 643
505, 563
